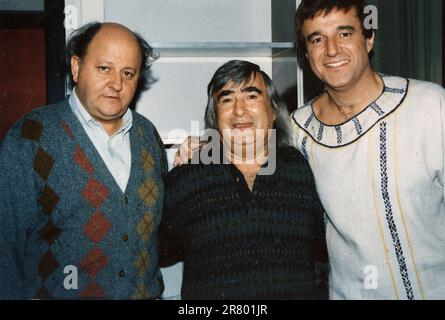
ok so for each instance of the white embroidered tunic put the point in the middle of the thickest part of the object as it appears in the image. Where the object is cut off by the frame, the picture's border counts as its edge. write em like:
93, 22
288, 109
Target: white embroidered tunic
380, 177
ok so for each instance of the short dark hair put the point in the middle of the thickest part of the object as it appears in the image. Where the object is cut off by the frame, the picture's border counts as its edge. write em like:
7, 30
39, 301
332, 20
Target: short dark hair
81, 38
308, 9
239, 71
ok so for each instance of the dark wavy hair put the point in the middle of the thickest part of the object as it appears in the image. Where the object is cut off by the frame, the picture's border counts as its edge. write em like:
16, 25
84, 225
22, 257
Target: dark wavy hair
239, 71
80, 39
308, 9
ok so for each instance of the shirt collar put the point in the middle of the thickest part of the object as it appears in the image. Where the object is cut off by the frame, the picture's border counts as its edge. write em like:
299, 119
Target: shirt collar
85, 117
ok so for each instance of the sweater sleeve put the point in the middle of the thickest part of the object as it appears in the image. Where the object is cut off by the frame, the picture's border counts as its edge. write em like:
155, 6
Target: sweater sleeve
18, 205
320, 253
171, 248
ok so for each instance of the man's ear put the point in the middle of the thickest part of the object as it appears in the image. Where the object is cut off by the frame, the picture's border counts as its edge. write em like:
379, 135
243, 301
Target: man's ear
274, 116
370, 42
75, 67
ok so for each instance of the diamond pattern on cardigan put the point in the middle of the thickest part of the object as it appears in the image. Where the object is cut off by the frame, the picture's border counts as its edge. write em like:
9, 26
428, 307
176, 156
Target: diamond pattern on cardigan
81, 159
95, 192
47, 265
67, 129
141, 133
94, 261
97, 227
147, 161
142, 263
148, 192
31, 130
93, 290
141, 292
43, 163
145, 226
48, 199
50, 232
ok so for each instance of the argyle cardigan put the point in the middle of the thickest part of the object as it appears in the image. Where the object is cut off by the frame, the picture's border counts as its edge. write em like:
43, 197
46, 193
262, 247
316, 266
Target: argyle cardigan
238, 244
67, 230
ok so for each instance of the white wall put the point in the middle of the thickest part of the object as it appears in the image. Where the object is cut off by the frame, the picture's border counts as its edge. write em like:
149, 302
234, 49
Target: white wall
178, 97
194, 20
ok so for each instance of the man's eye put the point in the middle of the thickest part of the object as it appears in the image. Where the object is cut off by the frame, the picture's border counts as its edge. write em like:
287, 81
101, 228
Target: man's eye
252, 96
128, 75
103, 68
226, 100
345, 34
316, 40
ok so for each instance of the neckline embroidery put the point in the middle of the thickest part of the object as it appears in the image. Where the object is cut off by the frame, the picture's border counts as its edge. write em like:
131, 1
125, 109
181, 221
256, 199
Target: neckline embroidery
333, 136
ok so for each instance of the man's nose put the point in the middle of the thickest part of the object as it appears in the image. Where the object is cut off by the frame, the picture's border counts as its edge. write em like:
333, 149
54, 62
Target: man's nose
239, 107
332, 47
116, 81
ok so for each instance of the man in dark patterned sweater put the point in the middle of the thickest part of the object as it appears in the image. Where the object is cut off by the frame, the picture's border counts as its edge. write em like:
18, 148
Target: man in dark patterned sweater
80, 204
244, 216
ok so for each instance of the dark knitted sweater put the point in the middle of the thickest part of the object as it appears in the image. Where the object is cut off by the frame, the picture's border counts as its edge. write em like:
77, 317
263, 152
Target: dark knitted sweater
61, 210
238, 244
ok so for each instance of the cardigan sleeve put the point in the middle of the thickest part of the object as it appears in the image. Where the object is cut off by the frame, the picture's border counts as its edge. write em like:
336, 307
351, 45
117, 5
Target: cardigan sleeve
18, 208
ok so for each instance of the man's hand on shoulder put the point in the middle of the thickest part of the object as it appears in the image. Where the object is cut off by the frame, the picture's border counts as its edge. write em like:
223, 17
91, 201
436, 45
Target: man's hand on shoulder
185, 151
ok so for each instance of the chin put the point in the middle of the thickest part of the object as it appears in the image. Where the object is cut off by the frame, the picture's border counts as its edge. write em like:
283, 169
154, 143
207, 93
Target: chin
113, 111
338, 83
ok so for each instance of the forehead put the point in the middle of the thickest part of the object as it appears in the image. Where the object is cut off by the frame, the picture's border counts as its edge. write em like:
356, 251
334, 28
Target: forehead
114, 42
255, 80
331, 21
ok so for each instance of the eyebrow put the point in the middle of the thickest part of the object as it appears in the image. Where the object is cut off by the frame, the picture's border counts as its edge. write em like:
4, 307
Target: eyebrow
339, 28
112, 64
252, 89
224, 93
347, 27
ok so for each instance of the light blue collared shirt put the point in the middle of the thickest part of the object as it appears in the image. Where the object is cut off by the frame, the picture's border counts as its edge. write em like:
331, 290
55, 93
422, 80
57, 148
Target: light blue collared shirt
115, 150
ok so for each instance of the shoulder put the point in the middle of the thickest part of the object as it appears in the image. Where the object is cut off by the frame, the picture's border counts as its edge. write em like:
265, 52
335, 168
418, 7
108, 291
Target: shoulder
426, 88
32, 124
46, 114
191, 172
417, 89
49, 113
294, 170
291, 157
425, 97
141, 121
303, 113
289, 153
146, 130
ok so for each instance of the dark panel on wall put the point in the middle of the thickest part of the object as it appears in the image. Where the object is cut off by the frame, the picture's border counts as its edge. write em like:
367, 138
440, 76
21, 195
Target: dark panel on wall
22, 74
55, 49
32, 61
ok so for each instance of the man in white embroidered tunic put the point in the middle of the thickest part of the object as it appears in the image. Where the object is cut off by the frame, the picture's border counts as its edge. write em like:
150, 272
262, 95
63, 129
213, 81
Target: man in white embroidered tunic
376, 146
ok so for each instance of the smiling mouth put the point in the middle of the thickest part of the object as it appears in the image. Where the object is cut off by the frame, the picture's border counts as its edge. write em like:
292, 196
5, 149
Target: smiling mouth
337, 64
